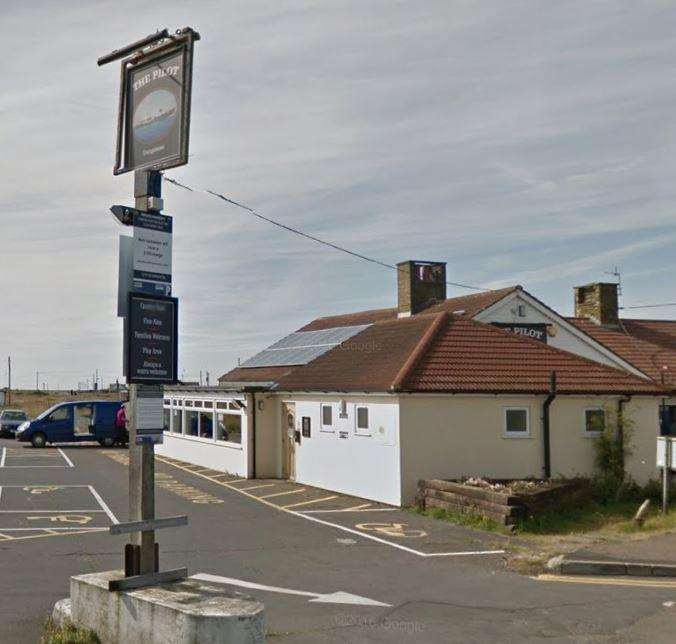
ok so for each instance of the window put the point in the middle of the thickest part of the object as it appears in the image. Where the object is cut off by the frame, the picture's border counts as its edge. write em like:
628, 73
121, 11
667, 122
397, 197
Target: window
362, 421
177, 425
62, 413
229, 428
516, 422
221, 405
327, 418
206, 425
594, 421
167, 419
208, 403
191, 423
306, 426
521, 310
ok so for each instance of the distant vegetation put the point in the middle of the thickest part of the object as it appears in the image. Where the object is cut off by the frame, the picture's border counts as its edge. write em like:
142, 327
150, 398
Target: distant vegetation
34, 402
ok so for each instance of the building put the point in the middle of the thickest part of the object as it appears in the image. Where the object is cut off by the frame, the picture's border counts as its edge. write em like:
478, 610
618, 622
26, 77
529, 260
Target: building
495, 384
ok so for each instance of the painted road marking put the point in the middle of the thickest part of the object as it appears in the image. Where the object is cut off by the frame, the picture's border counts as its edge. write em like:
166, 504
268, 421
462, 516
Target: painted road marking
41, 489
609, 581
319, 598
363, 535
269, 496
242, 489
103, 505
398, 530
79, 517
70, 463
297, 505
348, 510
2, 458
82, 519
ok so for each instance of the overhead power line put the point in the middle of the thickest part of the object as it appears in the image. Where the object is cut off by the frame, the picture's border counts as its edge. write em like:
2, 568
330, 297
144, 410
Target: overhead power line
648, 306
295, 231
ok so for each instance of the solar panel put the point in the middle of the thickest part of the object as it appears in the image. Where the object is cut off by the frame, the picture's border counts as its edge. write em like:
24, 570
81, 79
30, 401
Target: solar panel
302, 347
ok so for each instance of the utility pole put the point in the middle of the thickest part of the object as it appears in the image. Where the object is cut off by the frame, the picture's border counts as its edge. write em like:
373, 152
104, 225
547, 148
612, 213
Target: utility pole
9, 379
37, 381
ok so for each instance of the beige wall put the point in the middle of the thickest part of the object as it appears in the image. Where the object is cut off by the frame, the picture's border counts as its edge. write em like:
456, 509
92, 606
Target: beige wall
456, 436
268, 439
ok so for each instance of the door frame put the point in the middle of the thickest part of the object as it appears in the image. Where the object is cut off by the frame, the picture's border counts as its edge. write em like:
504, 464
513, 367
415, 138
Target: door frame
288, 445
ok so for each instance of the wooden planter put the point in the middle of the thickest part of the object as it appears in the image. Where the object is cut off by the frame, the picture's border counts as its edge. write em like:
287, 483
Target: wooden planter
505, 509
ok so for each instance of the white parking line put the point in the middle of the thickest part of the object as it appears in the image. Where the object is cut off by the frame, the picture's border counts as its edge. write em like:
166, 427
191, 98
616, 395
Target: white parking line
347, 510
335, 525
2, 458
70, 463
102, 503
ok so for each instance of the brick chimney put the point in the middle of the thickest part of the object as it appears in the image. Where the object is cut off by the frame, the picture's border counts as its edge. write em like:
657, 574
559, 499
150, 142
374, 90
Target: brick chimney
419, 285
597, 302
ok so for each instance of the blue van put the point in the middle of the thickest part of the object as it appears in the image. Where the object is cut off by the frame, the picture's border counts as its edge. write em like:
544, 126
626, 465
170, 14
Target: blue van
74, 422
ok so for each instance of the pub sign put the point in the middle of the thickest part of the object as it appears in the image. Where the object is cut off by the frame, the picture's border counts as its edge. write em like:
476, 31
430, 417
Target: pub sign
154, 117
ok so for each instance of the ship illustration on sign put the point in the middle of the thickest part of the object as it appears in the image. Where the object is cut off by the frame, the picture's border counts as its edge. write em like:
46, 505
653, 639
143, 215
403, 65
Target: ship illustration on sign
154, 116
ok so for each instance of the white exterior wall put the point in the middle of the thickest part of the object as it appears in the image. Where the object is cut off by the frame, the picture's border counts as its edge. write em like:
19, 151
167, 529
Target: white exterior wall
232, 458
359, 465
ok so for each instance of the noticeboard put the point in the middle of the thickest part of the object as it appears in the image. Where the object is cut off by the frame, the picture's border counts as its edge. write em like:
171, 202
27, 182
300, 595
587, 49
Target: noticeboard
154, 118
152, 339
152, 253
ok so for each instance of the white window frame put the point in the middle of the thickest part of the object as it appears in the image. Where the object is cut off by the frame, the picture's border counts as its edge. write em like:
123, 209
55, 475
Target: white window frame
512, 434
322, 427
357, 430
585, 431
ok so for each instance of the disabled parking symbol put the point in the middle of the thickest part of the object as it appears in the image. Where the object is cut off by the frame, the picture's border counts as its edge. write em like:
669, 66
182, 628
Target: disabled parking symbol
392, 530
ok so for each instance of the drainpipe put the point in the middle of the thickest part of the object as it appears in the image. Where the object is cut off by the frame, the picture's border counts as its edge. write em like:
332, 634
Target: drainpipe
545, 425
620, 425
253, 434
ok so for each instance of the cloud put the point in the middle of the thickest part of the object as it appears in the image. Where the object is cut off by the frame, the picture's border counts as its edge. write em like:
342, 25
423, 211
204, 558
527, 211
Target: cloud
515, 143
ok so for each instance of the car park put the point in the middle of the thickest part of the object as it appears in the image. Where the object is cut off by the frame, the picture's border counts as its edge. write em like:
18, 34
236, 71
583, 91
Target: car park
74, 422
10, 420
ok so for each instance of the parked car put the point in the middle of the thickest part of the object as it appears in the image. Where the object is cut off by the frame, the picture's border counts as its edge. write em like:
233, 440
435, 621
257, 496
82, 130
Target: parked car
74, 422
10, 419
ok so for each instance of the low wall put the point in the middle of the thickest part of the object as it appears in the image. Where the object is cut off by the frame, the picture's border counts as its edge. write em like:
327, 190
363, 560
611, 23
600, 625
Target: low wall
501, 507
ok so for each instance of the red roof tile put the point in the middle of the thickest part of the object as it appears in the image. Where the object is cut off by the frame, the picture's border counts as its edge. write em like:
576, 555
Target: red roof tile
368, 361
470, 304
473, 357
255, 374
648, 345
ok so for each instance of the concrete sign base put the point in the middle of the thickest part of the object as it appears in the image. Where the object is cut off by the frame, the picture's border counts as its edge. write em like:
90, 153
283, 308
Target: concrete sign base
185, 612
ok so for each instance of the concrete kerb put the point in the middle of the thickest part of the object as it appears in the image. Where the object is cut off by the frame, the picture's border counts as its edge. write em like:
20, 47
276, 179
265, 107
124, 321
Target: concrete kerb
186, 612
565, 566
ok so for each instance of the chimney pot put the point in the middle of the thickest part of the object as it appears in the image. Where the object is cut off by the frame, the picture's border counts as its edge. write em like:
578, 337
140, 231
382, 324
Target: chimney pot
597, 302
419, 285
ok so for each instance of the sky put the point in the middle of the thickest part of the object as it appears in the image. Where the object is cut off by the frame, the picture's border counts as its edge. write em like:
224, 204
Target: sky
520, 142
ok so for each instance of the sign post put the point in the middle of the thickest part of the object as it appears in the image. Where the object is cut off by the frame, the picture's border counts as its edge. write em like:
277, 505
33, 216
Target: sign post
152, 135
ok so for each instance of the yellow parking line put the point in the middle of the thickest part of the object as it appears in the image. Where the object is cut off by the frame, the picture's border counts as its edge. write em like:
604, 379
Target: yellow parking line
269, 496
202, 471
297, 505
254, 487
609, 581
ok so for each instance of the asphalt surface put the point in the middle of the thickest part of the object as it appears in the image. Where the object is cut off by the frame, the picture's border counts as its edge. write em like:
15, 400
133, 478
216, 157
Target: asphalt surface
415, 579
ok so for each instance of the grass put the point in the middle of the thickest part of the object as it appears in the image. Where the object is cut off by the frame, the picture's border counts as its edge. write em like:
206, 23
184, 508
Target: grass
467, 519
589, 517
67, 634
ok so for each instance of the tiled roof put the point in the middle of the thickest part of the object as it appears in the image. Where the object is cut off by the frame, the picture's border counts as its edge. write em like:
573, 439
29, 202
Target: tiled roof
649, 345
369, 361
255, 374
473, 357
469, 304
